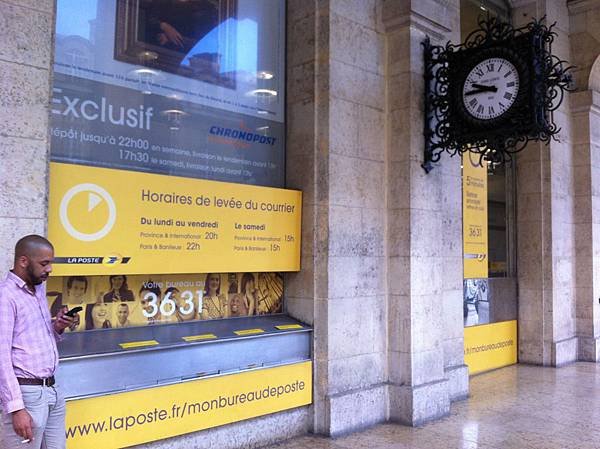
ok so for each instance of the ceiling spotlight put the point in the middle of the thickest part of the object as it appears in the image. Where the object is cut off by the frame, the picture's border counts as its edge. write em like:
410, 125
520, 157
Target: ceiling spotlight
148, 55
264, 75
264, 93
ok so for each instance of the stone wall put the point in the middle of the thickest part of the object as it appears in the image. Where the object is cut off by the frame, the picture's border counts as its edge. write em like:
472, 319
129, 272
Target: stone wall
26, 49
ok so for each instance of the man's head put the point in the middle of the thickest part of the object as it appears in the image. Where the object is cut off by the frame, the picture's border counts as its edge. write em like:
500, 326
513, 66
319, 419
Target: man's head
234, 304
123, 313
76, 287
148, 295
33, 259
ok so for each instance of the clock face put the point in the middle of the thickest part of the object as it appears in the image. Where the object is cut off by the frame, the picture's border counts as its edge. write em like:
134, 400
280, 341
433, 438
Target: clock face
491, 88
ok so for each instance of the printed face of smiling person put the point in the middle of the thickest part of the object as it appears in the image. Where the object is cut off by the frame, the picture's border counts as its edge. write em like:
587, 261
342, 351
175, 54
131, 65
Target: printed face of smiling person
116, 282
99, 314
123, 313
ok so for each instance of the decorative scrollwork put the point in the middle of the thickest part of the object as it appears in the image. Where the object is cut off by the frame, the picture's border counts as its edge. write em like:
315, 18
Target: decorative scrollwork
546, 78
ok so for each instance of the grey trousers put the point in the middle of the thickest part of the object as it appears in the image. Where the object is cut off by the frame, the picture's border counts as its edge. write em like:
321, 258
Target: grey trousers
46, 406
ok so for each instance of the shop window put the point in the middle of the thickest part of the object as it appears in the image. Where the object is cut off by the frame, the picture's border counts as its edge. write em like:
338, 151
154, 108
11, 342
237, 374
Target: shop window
493, 297
185, 89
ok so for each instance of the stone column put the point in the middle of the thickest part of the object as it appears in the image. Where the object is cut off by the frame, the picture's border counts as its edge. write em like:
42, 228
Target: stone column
545, 230
586, 161
425, 342
336, 155
26, 49
585, 105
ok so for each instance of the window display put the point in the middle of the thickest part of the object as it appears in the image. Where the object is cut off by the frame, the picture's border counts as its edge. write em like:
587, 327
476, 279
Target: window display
119, 301
193, 90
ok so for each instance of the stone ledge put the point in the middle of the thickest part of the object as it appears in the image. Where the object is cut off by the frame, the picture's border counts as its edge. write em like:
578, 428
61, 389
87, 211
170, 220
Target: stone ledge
356, 410
564, 351
458, 382
588, 349
417, 405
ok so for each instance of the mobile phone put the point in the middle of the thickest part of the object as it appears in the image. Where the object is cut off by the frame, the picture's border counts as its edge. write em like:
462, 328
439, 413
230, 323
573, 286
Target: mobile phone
73, 311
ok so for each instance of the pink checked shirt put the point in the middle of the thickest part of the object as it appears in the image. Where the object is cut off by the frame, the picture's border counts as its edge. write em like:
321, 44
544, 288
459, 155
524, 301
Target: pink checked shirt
27, 339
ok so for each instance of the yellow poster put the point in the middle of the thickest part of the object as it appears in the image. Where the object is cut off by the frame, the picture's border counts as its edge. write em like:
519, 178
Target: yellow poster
105, 221
136, 417
475, 217
490, 346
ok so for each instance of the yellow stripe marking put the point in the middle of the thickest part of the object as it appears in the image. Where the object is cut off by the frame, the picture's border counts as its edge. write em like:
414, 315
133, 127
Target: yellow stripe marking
283, 327
249, 332
199, 337
138, 344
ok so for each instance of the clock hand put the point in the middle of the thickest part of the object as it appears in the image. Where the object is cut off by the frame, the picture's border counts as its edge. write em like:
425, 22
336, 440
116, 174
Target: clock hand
485, 88
477, 91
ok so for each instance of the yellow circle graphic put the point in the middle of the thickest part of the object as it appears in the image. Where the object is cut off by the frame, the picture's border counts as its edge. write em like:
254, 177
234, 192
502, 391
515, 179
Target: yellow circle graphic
94, 198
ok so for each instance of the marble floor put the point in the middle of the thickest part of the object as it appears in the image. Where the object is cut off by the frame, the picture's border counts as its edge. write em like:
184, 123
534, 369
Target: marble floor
519, 407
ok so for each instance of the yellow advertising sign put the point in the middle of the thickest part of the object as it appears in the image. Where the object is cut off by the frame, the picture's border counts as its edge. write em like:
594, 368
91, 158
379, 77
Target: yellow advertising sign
475, 218
490, 346
136, 417
105, 221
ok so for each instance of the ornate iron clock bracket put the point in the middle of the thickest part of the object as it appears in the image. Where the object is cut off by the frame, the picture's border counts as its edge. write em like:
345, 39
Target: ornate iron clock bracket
548, 77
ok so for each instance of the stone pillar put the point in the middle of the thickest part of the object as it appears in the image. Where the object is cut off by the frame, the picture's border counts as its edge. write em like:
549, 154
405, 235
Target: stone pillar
26, 49
425, 341
336, 155
585, 107
545, 230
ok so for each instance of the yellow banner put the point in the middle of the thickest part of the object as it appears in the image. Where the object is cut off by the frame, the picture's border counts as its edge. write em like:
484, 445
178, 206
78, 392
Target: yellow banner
475, 217
490, 346
137, 417
105, 221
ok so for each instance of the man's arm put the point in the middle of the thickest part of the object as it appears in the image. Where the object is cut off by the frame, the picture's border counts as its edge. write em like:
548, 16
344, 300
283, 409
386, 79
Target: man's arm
10, 392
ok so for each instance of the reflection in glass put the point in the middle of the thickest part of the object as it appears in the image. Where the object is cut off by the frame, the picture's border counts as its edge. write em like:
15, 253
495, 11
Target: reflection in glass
476, 306
192, 38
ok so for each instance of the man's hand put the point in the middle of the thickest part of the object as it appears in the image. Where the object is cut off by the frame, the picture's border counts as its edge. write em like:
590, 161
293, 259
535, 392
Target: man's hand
63, 321
23, 424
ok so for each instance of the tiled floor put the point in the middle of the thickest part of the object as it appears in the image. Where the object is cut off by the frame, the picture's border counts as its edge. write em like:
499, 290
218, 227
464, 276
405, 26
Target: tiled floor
519, 407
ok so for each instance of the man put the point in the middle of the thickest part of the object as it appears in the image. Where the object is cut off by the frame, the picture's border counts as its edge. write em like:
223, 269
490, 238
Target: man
33, 408
123, 315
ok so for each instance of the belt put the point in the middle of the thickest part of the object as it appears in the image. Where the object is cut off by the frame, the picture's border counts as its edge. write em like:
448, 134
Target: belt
49, 381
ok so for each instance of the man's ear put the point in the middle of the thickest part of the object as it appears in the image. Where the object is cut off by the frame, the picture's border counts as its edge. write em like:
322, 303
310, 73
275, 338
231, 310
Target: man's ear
23, 261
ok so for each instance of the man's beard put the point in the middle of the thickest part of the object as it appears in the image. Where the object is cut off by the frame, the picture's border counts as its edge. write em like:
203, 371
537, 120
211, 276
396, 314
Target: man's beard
35, 280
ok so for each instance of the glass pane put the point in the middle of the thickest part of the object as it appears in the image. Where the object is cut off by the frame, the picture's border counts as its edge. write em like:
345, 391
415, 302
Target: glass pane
189, 88
141, 300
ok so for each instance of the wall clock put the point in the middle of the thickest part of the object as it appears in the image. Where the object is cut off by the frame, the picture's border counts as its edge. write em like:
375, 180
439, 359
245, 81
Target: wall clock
493, 93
